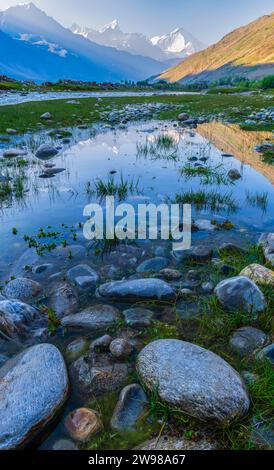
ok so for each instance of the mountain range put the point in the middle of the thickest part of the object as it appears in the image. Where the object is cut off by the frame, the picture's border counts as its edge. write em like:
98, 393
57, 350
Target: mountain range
34, 46
168, 48
247, 52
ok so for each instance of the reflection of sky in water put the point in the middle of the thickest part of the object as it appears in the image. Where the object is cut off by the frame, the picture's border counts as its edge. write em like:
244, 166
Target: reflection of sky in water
62, 198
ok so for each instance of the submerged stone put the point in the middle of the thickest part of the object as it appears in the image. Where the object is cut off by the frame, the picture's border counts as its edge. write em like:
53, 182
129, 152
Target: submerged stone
143, 289
138, 317
132, 405
153, 264
63, 300
94, 318
95, 374
83, 424
84, 277
22, 289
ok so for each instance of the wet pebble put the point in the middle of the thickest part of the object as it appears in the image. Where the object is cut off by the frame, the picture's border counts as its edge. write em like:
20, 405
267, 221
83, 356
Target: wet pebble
83, 424
120, 348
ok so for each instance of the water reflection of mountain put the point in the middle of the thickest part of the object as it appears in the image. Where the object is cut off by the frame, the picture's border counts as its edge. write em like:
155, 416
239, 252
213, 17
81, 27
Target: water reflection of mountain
232, 139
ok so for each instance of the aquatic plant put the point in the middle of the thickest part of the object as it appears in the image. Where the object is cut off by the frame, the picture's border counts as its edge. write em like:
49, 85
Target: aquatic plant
163, 147
257, 199
207, 200
207, 174
111, 187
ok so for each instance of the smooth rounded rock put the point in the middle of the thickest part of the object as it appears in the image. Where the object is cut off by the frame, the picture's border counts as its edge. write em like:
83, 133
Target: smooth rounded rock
46, 116
14, 152
63, 300
204, 224
101, 344
259, 274
17, 318
266, 241
76, 348
83, 424
246, 339
240, 293
234, 174
201, 253
138, 289
84, 277
138, 317
267, 353
33, 388
95, 374
153, 264
46, 151
170, 274
183, 117
120, 348
94, 318
193, 379
22, 289
132, 406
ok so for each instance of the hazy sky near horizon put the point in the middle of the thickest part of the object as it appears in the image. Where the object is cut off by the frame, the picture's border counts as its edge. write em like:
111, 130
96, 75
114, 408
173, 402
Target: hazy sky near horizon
208, 20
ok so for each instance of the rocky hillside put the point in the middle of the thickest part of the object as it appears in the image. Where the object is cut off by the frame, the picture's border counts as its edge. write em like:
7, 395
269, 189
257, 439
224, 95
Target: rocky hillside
247, 51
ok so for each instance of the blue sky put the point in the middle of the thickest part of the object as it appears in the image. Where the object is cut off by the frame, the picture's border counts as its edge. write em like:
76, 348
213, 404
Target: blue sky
208, 20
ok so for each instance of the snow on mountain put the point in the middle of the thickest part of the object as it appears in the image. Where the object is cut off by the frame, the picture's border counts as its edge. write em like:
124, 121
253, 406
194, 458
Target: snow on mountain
75, 57
112, 36
175, 45
178, 43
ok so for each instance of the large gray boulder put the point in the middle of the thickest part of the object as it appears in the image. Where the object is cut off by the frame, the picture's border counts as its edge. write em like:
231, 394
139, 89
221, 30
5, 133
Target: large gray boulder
95, 318
240, 293
138, 289
194, 380
33, 388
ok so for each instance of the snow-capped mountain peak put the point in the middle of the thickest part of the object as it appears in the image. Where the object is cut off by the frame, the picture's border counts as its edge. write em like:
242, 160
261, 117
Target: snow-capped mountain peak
113, 25
175, 45
179, 42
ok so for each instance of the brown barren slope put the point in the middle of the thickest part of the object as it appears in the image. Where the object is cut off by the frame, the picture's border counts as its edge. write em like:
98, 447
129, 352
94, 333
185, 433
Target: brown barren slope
247, 51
